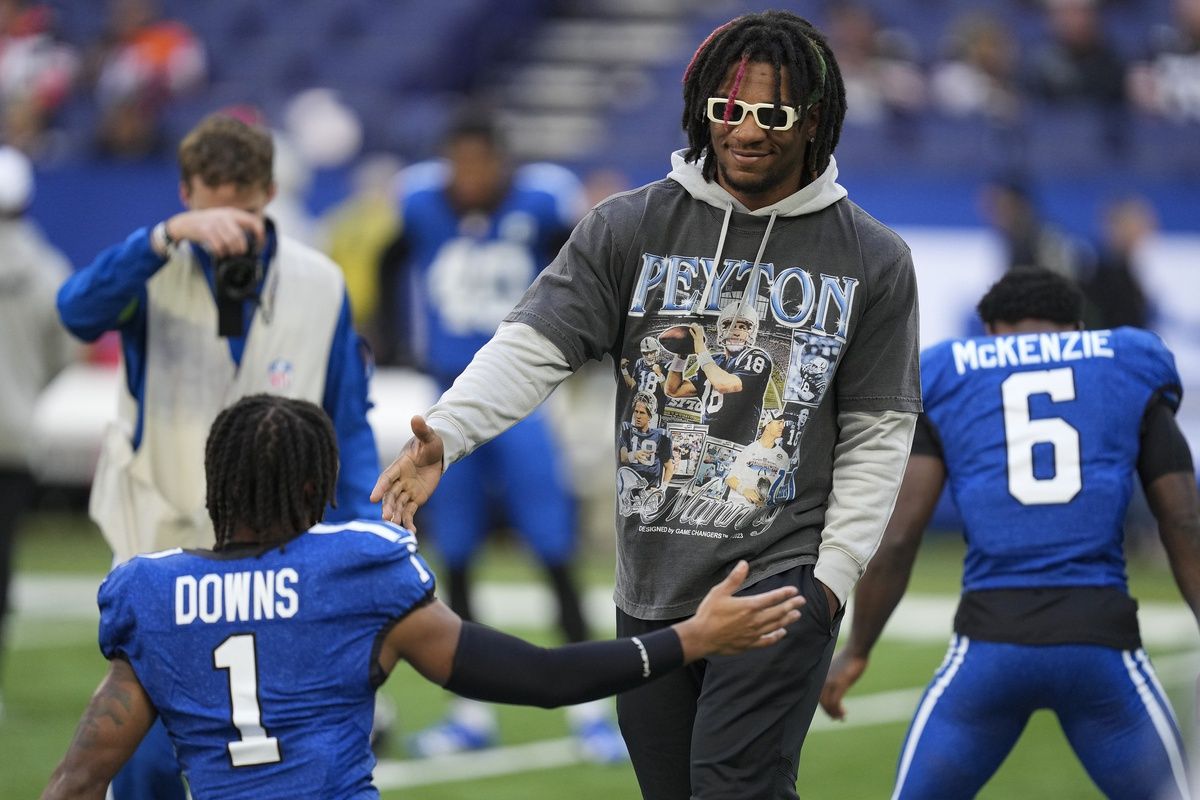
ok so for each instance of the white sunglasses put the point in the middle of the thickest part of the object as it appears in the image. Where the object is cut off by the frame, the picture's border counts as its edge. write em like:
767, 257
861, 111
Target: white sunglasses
767, 116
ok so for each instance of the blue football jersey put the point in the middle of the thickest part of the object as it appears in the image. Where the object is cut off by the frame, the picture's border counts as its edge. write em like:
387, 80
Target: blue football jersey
467, 271
1040, 435
260, 665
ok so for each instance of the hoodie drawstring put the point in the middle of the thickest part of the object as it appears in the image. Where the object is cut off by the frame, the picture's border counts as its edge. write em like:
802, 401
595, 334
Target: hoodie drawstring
702, 300
752, 283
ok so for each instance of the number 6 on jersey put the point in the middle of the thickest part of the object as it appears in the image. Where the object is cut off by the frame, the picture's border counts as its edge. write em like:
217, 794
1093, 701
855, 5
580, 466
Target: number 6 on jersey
1022, 433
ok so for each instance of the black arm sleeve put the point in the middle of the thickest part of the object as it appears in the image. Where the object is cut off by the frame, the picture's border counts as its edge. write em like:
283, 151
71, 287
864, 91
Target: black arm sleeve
926, 440
1163, 447
490, 665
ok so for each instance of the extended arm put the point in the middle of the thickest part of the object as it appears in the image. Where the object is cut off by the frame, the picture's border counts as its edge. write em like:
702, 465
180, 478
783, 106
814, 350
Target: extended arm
1173, 499
110, 292
508, 378
868, 465
479, 662
1169, 479
113, 725
885, 580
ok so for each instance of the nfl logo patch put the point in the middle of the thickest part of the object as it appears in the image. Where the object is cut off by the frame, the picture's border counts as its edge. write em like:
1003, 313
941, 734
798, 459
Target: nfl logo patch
279, 374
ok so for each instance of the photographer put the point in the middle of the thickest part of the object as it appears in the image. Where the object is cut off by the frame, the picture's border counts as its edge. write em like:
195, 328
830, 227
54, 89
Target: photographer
213, 304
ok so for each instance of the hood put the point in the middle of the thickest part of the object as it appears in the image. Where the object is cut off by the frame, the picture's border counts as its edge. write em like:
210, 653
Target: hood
821, 193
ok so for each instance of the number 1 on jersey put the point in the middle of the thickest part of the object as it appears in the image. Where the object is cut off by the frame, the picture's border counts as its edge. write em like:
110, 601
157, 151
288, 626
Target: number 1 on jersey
237, 655
1021, 434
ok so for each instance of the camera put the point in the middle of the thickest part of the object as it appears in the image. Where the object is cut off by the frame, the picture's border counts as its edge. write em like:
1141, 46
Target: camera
236, 278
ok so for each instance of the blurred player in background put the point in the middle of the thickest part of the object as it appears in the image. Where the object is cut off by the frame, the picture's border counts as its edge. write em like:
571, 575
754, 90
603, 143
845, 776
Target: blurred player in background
263, 654
34, 347
212, 304
474, 234
646, 455
1039, 430
731, 385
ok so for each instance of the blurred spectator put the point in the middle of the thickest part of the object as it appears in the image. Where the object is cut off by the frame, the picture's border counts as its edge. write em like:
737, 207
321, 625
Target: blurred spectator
144, 63
358, 230
1167, 82
878, 66
979, 78
602, 183
36, 74
33, 347
293, 178
1077, 65
1113, 288
1028, 240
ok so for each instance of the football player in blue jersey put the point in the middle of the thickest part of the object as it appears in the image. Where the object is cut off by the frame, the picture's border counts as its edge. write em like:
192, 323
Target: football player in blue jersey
475, 232
647, 458
1039, 428
731, 385
262, 655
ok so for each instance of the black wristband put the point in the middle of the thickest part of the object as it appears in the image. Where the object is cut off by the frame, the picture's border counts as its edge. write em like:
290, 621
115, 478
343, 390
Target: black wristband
490, 665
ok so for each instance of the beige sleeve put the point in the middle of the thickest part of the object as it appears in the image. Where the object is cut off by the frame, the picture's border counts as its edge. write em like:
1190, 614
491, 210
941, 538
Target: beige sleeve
868, 466
508, 378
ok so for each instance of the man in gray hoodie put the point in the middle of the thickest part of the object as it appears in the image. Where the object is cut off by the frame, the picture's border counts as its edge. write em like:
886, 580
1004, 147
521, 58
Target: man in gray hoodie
815, 285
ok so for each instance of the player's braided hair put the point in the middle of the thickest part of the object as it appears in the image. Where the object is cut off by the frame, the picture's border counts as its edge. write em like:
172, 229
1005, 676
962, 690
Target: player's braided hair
787, 42
271, 464
1032, 293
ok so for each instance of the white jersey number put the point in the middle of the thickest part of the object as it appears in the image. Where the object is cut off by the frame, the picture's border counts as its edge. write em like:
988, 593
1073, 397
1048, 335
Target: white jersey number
236, 654
1022, 433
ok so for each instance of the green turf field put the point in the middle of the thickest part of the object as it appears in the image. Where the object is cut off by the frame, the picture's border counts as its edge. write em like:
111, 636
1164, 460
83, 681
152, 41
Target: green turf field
53, 664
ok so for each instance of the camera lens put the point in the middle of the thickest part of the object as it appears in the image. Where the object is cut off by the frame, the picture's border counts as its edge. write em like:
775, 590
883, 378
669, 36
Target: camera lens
237, 275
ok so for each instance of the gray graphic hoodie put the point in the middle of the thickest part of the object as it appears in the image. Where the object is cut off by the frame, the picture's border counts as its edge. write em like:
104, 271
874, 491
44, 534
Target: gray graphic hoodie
767, 368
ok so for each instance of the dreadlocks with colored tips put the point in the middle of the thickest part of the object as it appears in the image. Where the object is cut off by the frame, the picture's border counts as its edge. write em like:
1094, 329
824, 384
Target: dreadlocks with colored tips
787, 42
271, 464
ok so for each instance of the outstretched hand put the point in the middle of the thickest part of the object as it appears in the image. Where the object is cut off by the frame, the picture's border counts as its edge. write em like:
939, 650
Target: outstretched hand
725, 624
844, 672
409, 480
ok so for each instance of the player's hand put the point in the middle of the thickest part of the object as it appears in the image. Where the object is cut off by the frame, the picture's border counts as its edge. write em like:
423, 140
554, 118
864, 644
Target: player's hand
754, 497
844, 672
645, 457
221, 231
725, 624
409, 480
698, 338
624, 364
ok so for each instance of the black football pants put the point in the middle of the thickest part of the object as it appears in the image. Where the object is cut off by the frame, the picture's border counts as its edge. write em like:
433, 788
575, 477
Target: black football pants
731, 727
